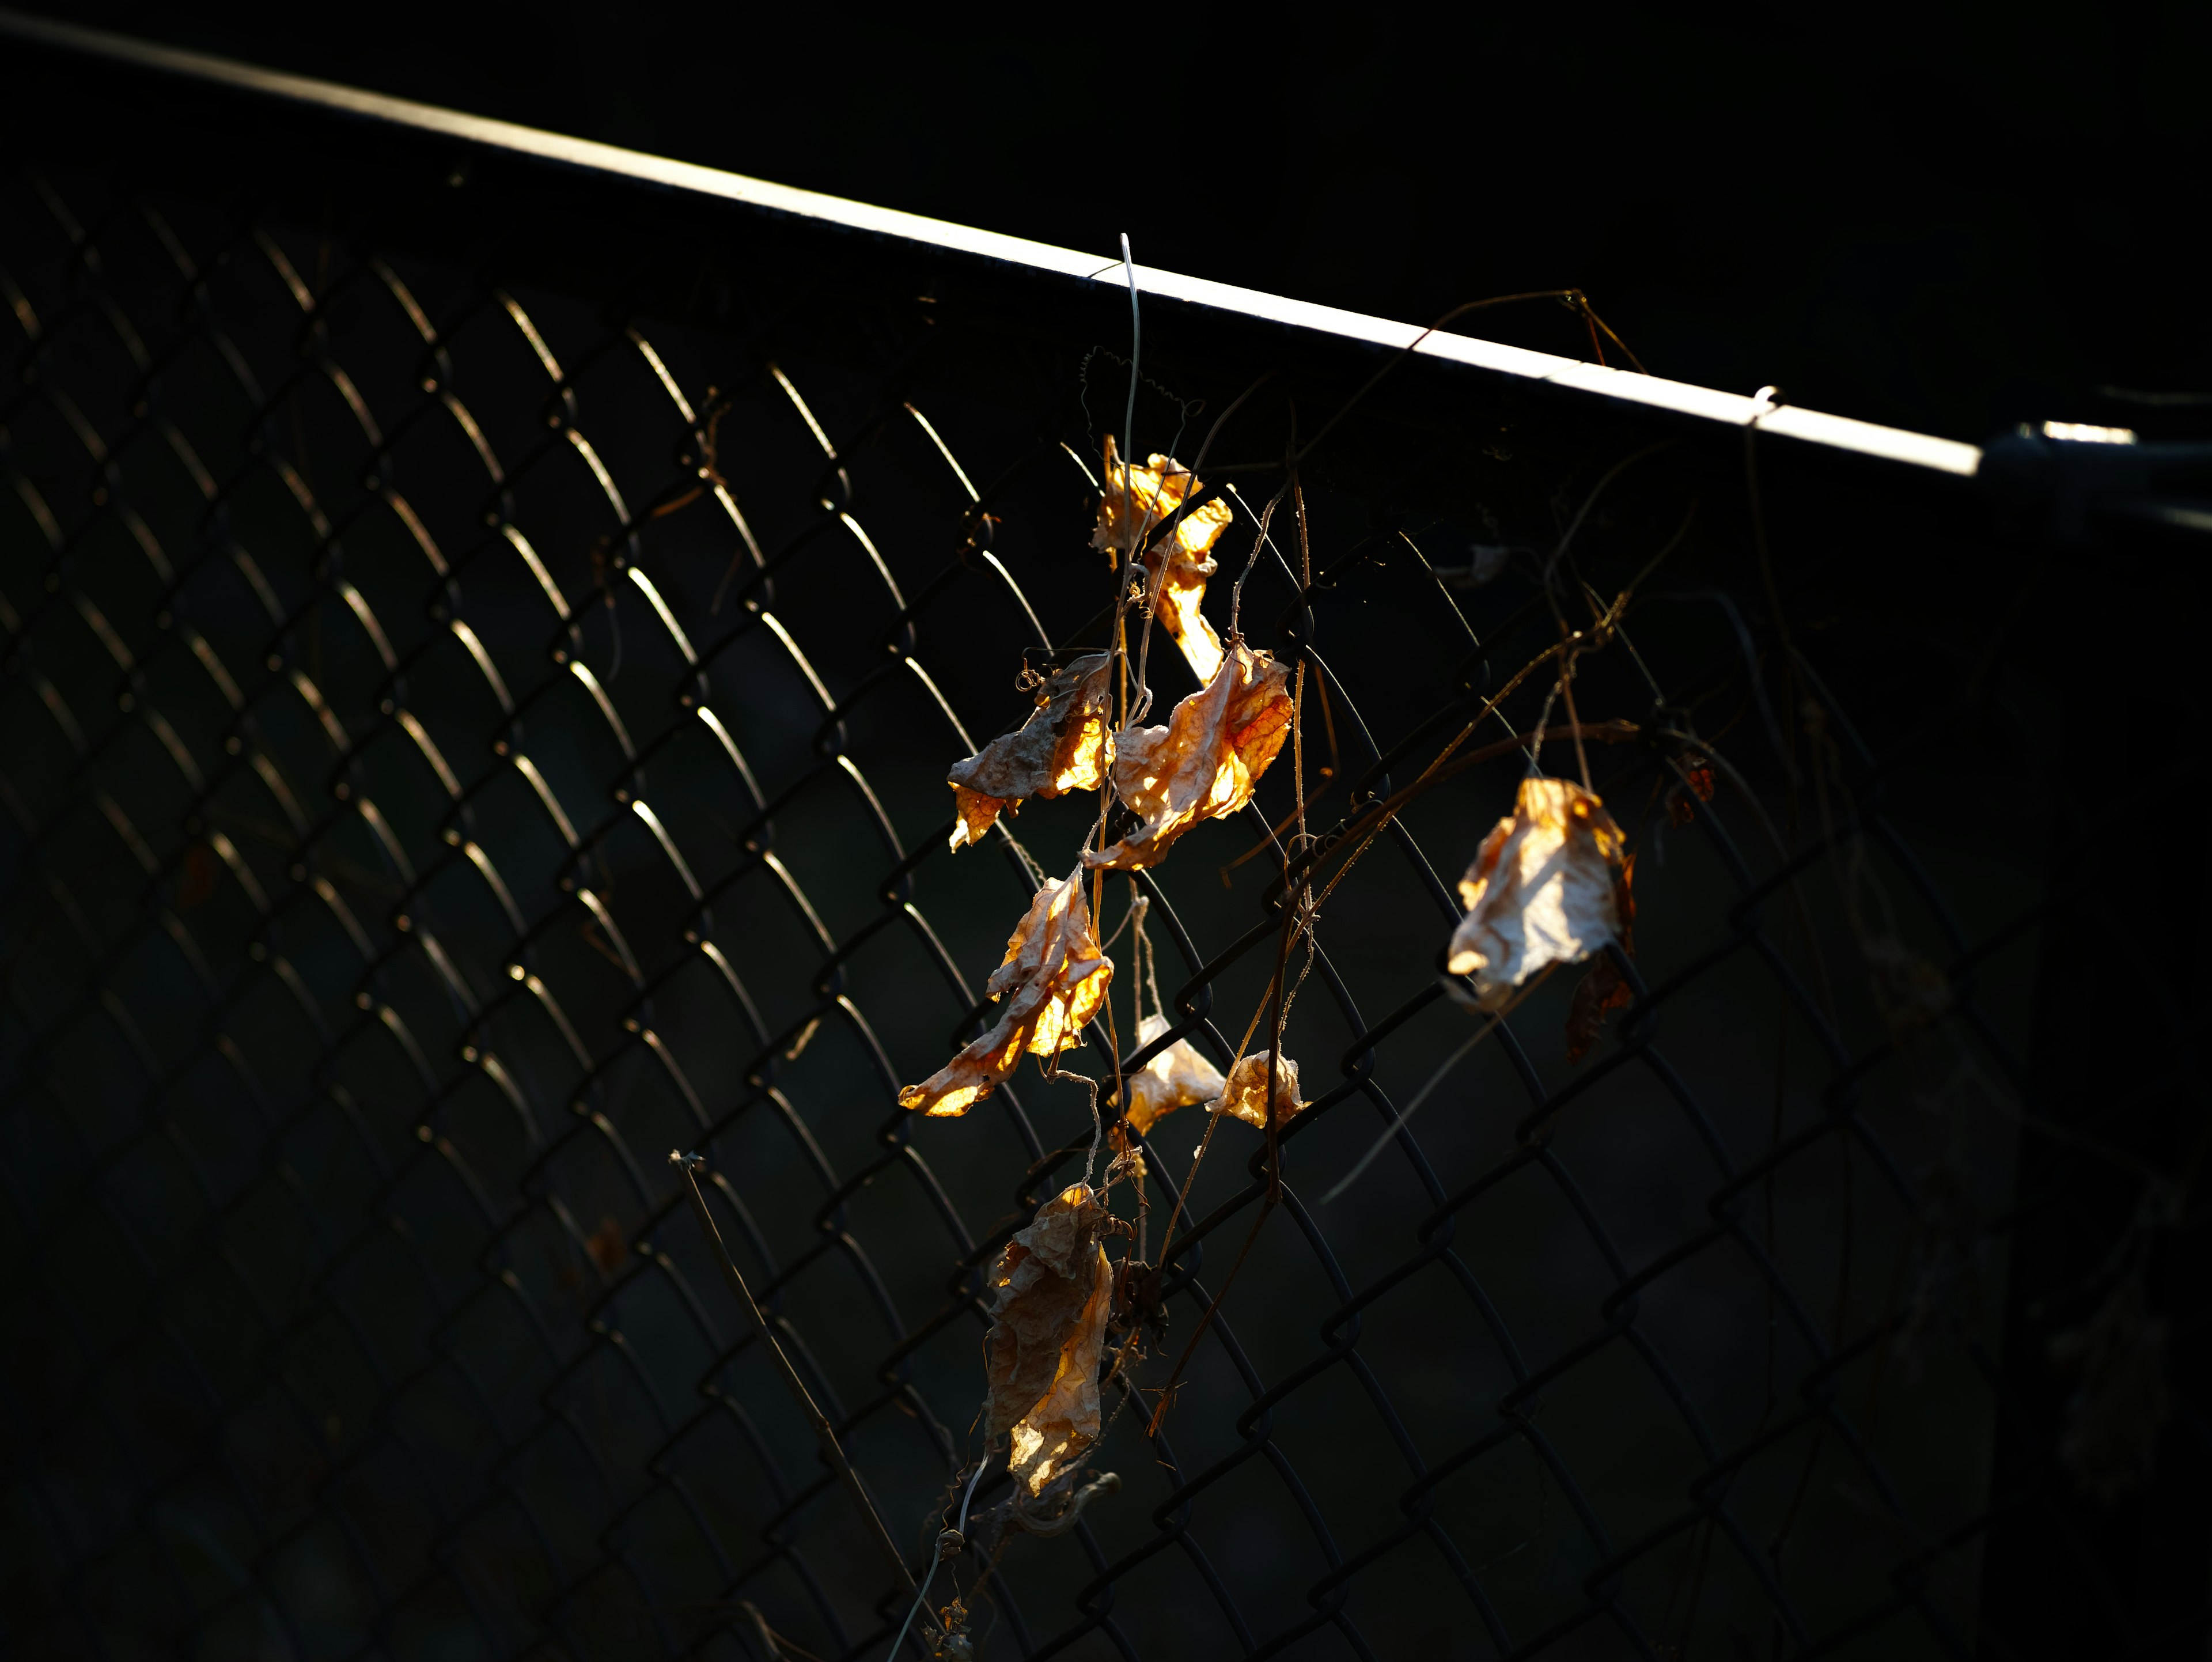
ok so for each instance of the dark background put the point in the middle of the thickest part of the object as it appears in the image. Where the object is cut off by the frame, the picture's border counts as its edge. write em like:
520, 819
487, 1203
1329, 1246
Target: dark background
1951, 218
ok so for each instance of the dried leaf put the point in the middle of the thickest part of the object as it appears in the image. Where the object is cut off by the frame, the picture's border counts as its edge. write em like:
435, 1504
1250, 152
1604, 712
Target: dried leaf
1204, 762
1052, 980
1484, 562
1185, 552
1604, 989
1065, 745
1245, 1096
1541, 890
1177, 1078
1138, 501
1700, 773
1052, 1289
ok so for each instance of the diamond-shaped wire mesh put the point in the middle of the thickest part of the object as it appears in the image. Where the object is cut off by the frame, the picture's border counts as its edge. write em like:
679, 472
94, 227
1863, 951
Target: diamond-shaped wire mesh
461, 747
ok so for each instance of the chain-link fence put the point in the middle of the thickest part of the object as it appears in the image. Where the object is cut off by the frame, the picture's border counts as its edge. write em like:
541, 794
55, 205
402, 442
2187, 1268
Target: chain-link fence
464, 742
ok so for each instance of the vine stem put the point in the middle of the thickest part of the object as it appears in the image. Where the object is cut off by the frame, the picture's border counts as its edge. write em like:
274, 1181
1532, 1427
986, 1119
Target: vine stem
825, 1435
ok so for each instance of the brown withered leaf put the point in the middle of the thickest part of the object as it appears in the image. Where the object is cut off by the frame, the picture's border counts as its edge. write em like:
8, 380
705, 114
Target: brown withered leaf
1541, 890
1185, 552
1177, 1077
1204, 762
1138, 501
1067, 744
1052, 980
1604, 989
1052, 1288
1245, 1096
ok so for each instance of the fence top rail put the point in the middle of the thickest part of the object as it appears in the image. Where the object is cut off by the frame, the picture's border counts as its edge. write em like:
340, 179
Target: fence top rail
1701, 405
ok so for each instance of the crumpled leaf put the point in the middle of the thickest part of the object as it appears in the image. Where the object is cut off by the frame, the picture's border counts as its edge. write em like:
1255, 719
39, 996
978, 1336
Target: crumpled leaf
1245, 1096
1185, 550
1138, 501
1177, 1078
1541, 892
1053, 1288
1052, 981
1067, 744
1204, 762
1604, 989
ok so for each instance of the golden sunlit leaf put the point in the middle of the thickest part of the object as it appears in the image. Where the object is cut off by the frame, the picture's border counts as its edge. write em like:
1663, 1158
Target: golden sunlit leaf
1184, 550
1245, 1096
1052, 1289
1138, 501
1604, 989
1065, 745
1052, 981
1177, 1077
1541, 890
1204, 762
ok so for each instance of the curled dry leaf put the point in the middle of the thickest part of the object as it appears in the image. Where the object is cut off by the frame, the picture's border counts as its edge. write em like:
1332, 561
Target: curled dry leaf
1138, 501
1245, 1096
1052, 981
1204, 762
1051, 1290
1177, 1078
1541, 890
1185, 553
1065, 745
1604, 989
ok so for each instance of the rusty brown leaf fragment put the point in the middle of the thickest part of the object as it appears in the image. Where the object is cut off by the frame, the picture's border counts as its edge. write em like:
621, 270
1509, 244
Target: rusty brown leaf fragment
1051, 981
1245, 1095
1178, 1077
1065, 745
1541, 890
1679, 811
1051, 1290
1604, 989
1204, 762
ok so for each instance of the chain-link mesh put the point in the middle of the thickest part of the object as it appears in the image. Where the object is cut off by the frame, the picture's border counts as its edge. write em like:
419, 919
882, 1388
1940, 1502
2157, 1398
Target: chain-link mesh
461, 747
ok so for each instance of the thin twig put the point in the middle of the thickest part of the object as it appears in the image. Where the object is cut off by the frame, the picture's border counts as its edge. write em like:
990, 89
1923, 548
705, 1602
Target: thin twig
825, 1435
1398, 1121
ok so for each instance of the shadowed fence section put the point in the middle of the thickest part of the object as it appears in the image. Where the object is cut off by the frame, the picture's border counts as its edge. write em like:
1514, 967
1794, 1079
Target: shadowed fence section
470, 735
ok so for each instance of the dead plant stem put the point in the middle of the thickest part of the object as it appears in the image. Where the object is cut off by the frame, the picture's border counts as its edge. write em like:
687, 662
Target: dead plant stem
825, 1435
